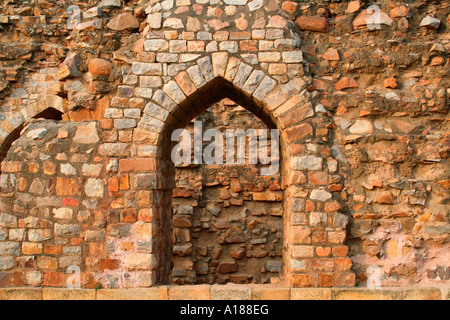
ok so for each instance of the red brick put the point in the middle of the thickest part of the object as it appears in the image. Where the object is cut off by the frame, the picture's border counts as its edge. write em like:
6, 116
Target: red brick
289, 6
137, 165
68, 202
298, 132
297, 148
390, 83
12, 279
340, 251
343, 264
106, 124
235, 185
335, 187
304, 280
315, 23
297, 115
310, 206
385, 198
76, 241
248, 45
96, 249
227, 267
319, 237
332, 55
318, 177
124, 182
344, 279
323, 251
326, 280
336, 236
109, 264
113, 184
181, 222
145, 215
332, 206
346, 83
128, 215
322, 264
53, 279
53, 249
181, 193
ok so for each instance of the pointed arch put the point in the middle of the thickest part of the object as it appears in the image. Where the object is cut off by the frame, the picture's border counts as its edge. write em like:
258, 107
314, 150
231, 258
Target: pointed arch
189, 93
12, 123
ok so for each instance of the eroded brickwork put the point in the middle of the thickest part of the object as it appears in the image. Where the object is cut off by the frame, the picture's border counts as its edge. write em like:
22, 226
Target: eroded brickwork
361, 102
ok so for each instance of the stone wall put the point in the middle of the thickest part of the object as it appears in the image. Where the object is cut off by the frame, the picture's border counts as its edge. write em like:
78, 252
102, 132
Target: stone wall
222, 233
359, 93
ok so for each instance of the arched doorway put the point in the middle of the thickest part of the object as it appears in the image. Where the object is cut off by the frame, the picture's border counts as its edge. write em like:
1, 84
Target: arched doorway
213, 92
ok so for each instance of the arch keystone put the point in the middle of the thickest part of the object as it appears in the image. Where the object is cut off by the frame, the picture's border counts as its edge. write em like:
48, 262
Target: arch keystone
219, 62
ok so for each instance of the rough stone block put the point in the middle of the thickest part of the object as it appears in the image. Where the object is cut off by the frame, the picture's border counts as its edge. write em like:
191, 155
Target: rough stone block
310, 294
196, 292
271, 293
366, 294
68, 294
230, 292
422, 294
156, 293
20, 294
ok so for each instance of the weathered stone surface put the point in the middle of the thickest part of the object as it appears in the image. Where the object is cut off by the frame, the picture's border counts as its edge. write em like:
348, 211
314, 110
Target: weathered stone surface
367, 105
70, 67
157, 293
422, 294
9, 248
307, 163
346, 83
20, 294
100, 67
6, 263
310, 294
361, 126
37, 134
139, 262
124, 21
86, 134
430, 22
94, 188
110, 4
366, 294
68, 294
114, 149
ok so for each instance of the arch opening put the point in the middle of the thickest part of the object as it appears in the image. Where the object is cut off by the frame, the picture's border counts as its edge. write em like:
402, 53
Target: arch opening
227, 217
49, 114
203, 99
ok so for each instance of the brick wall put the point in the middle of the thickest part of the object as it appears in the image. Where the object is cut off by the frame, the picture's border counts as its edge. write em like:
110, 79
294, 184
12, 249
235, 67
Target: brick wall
361, 102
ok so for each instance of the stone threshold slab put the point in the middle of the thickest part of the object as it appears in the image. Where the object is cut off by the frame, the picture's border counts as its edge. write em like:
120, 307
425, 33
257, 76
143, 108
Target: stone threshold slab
227, 292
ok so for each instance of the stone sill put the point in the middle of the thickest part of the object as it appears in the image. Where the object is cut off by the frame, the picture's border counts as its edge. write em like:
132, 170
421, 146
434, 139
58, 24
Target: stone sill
228, 292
